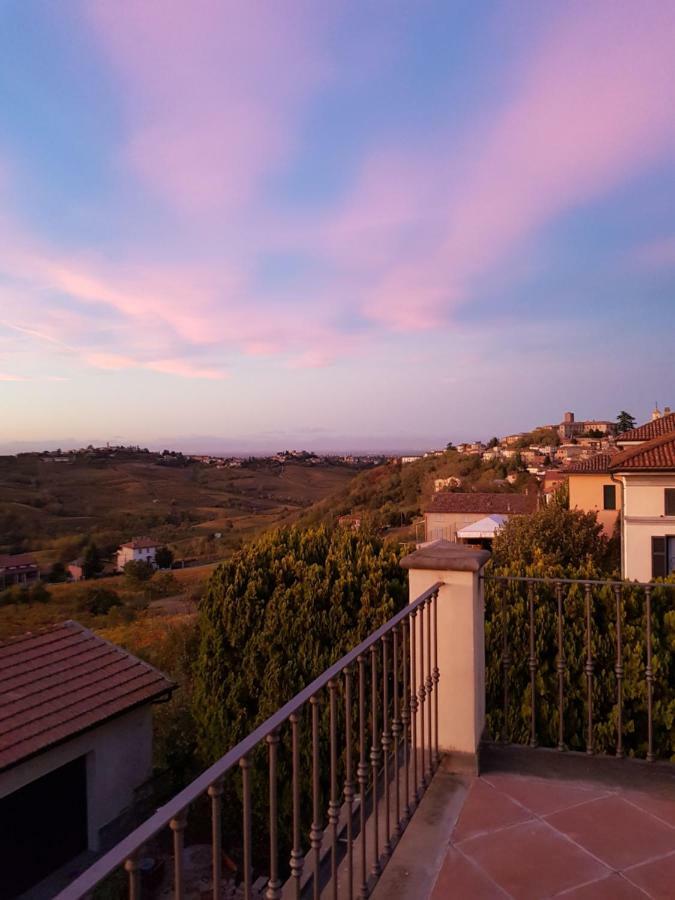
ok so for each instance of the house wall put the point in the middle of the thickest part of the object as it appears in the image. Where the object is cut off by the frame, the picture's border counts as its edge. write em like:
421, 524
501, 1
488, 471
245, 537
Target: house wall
643, 518
119, 760
127, 554
586, 493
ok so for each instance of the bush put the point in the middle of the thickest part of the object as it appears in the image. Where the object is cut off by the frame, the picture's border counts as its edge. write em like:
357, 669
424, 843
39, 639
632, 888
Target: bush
137, 572
99, 601
163, 584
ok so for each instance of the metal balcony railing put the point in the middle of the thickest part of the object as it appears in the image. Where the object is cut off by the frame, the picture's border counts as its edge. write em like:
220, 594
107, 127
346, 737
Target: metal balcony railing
371, 751
582, 664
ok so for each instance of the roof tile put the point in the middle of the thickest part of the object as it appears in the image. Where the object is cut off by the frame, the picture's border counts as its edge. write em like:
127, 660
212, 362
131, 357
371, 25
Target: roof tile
59, 682
451, 502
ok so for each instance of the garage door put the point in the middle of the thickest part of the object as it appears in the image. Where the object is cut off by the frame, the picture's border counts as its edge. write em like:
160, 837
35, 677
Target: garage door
43, 826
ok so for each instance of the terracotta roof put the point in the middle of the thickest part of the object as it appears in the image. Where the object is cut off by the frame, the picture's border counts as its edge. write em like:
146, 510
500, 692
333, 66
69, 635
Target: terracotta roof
141, 543
59, 682
649, 431
448, 502
594, 465
658, 455
18, 560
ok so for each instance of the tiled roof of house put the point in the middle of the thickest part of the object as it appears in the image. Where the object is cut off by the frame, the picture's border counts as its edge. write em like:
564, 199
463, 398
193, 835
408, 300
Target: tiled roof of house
482, 504
656, 428
656, 455
59, 682
594, 465
141, 543
18, 560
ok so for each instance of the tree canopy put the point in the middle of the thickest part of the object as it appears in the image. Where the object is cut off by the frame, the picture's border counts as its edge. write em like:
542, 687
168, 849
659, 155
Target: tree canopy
624, 422
278, 614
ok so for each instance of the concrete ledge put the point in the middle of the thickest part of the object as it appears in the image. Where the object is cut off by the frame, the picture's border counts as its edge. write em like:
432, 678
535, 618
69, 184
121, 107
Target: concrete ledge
417, 859
447, 555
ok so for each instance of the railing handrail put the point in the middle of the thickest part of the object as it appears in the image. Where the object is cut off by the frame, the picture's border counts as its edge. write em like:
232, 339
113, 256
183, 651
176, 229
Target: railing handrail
552, 579
161, 818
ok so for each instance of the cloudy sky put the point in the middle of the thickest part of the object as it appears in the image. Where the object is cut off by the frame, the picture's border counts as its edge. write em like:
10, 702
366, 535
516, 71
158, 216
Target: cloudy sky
363, 224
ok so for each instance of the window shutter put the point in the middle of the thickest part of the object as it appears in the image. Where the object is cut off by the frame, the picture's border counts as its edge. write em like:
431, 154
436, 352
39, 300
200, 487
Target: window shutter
609, 496
670, 501
659, 557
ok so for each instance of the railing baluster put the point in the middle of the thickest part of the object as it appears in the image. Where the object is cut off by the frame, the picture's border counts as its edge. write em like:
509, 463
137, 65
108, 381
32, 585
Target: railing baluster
386, 744
374, 761
532, 663
273, 882
506, 663
589, 667
215, 792
405, 722
560, 666
428, 683
362, 772
349, 783
421, 693
396, 732
618, 669
413, 707
649, 675
316, 831
178, 825
333, 803
245, 765
297, 857
436, 675
132, 867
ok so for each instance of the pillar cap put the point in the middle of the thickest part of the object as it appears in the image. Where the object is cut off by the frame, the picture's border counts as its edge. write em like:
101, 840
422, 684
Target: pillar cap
447, 555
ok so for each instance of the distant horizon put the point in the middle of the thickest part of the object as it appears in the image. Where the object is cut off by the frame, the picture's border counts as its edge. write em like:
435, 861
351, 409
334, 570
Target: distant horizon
268, 443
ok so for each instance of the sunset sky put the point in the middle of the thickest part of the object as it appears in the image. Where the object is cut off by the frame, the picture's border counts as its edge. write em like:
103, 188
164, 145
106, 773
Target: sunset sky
333, 224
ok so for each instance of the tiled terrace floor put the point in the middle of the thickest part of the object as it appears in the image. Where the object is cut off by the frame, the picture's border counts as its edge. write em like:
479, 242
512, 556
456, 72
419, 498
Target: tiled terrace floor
529, 837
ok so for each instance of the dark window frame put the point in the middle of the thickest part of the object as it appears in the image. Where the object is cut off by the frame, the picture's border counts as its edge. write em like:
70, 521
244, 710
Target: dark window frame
612, 503
669, 501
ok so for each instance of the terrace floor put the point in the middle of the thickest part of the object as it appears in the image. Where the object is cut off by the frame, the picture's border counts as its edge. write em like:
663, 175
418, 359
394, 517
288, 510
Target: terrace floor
539, 824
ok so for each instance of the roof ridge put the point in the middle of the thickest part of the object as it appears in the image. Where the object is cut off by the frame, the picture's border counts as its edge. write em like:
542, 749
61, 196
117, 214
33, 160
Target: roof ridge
644, 447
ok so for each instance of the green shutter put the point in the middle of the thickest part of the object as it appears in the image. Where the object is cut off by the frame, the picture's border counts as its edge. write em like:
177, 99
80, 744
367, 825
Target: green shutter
609, 496
670, 501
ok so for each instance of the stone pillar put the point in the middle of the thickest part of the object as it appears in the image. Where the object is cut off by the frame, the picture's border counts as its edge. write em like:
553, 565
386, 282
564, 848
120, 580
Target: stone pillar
461, 643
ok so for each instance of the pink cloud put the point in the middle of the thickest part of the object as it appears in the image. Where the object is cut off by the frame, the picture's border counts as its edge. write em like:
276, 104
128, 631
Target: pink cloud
589, 109
185, 369
212, 90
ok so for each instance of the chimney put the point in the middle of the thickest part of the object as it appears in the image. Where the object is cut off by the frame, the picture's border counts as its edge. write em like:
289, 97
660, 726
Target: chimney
666, 410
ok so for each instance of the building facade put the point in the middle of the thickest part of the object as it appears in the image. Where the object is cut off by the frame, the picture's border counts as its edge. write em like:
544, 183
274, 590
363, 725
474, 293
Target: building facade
142, 549
593, 489
646, 473
18, 569
448, 513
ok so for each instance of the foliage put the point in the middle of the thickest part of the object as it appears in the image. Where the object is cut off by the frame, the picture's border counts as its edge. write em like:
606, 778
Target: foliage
164, 558
510, 602
278, 614
275, 617
92, 563
624, 422
552, 536
138, 571
25, 594
58, 573
558, 543
547, 437
100, 600
163, 584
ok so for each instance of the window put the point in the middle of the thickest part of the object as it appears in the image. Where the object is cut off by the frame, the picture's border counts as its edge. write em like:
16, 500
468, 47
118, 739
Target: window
663, 556
670, 501
609, 496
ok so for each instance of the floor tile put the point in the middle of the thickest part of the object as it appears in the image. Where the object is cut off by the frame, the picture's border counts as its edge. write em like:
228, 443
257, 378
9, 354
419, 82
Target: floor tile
615, 831
615, 887
662, 807
541, 795
460, 878
532, 861
486, 809
657, 877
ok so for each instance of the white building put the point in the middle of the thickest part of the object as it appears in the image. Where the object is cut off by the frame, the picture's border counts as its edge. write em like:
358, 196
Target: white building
75, 747
646, 473
141, 549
